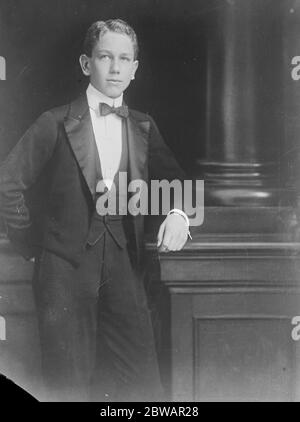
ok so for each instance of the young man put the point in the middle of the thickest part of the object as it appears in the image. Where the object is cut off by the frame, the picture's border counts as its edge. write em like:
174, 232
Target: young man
95, 328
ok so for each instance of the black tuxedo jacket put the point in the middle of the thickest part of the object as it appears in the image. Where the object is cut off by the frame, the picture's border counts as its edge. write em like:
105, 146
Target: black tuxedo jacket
48, 181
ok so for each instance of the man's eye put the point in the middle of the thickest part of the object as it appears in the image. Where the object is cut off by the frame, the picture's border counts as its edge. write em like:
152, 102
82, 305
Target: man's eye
127, 59
104, 57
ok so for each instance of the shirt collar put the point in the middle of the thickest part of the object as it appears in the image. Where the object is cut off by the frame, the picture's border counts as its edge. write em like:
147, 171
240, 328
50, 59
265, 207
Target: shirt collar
94, 97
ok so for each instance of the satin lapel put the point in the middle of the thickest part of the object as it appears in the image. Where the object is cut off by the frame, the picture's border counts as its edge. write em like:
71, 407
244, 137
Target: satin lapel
78, 126
138, 133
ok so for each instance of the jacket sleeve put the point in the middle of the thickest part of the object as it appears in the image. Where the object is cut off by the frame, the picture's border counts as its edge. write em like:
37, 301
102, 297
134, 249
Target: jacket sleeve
162, 163
164, 167
19, 172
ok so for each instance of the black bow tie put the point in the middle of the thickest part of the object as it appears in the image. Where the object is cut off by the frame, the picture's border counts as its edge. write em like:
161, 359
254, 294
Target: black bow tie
105, 109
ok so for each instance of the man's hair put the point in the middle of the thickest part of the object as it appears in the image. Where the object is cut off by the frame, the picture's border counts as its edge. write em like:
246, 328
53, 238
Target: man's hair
101, 27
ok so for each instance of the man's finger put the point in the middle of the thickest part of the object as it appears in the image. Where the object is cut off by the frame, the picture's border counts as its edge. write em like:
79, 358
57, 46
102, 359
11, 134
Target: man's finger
163, 248
160, 234
180, 242
176, 246
168, 240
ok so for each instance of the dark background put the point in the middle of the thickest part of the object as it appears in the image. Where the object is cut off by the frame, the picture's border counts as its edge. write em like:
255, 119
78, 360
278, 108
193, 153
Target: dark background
41, 41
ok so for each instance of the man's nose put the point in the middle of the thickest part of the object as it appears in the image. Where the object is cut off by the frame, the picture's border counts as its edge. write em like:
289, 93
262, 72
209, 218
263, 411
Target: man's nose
115, 66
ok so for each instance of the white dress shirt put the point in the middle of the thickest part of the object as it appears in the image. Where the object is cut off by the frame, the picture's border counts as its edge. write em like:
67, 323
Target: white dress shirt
107, 131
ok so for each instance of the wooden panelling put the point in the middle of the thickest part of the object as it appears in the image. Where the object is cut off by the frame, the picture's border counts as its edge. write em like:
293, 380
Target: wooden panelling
231, 311
243, 358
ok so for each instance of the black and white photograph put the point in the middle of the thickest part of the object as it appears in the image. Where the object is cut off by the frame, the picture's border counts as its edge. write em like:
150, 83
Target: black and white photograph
150, 202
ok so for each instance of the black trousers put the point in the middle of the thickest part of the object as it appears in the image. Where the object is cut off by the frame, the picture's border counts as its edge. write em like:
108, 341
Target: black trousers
96, 334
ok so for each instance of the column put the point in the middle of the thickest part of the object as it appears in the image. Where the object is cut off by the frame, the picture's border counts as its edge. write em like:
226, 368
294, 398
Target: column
245, 120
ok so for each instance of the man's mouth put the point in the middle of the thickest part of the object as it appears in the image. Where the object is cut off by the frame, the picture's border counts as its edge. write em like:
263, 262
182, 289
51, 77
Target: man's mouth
114, 81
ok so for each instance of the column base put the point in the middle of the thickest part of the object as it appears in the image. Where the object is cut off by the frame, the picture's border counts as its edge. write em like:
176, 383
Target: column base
243, 184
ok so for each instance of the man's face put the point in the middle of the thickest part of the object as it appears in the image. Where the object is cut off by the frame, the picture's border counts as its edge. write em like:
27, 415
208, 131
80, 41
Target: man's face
111, 66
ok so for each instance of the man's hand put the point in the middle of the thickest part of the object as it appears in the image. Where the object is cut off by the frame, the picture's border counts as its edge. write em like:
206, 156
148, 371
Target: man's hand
172, 234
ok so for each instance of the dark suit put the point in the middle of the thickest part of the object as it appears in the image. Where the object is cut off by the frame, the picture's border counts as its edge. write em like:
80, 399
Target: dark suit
48, 192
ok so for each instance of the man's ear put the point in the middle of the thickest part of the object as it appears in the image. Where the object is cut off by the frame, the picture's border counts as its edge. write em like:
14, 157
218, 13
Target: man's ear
85, 64
135, 66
